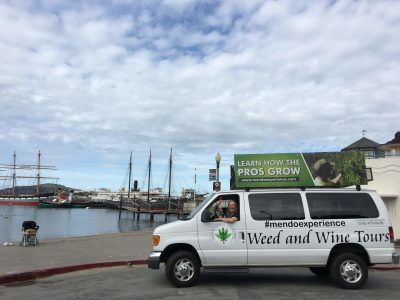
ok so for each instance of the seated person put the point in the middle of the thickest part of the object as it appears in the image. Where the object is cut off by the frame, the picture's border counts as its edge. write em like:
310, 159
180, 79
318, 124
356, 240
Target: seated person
232, 213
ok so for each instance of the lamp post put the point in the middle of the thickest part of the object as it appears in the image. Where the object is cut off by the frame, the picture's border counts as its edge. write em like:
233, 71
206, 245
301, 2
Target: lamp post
217, 161
216, 183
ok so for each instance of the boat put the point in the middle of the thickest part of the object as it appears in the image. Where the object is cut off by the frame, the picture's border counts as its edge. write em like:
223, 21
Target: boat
10, 196
28, 200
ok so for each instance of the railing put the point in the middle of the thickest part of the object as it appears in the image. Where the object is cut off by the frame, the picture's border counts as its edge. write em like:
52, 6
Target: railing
146, 207
382, 155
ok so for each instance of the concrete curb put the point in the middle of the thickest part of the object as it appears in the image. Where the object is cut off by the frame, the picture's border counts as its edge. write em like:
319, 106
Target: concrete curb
385, 267
40, 273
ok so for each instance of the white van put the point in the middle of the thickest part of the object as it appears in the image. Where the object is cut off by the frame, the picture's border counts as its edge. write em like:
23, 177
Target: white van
334, 232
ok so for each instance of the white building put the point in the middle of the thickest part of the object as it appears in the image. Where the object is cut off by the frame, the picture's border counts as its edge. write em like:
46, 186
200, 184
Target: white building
384, 160
386, 174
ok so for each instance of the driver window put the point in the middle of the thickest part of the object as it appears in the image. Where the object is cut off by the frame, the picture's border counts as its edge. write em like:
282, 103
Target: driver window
219, 207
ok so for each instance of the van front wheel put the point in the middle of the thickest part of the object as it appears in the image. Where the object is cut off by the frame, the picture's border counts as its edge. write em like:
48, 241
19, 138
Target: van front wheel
349, 271
182, 269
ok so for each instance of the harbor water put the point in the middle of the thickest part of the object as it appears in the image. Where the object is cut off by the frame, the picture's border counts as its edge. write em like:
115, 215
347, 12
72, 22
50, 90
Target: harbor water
71, 222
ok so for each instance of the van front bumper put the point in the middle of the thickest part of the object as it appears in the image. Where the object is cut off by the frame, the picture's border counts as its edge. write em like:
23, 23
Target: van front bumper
395, 258
153, 261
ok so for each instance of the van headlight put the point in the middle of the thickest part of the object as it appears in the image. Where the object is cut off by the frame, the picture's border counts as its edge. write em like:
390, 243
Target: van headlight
156, 240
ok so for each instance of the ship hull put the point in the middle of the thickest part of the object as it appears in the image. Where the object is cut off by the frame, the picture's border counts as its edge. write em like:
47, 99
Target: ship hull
20, 201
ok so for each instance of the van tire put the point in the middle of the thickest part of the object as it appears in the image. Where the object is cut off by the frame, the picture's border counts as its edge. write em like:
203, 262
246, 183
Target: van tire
349, 271
320, 271
182, 269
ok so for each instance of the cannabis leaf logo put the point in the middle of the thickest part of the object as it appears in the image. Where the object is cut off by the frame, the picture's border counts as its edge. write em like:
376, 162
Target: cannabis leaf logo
223, 235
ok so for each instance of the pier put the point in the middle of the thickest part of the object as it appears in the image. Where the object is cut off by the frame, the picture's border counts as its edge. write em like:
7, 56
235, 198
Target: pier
172, 207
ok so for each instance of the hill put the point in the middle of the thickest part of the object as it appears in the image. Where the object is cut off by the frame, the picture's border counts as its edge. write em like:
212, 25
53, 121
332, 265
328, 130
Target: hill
47, 188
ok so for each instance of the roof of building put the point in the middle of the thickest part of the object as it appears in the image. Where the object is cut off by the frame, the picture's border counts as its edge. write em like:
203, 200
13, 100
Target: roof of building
362, 143
396, 139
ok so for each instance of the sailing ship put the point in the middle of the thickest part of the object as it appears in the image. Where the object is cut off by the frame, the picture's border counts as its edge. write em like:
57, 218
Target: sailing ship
15, 198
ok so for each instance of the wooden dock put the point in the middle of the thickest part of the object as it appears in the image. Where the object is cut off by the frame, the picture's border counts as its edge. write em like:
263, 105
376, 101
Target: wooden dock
138, 208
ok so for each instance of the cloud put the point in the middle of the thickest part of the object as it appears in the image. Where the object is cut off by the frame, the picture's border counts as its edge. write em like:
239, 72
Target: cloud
86, 80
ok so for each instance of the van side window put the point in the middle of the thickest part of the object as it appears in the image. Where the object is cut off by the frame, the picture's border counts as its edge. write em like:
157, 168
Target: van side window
341, 205
276, 206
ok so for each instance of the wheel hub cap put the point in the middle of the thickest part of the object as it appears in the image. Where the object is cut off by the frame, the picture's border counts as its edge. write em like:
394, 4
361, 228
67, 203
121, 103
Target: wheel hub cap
350, 271
184, 270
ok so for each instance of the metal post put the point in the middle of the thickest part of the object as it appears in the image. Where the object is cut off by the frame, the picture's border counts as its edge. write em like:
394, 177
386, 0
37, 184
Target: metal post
120, 207
217, 170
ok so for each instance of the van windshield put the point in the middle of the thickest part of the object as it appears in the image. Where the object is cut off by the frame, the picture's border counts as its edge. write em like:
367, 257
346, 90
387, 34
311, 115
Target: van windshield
198, 207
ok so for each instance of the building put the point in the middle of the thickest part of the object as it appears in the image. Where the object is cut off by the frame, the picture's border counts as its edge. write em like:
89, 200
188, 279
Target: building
392, 148
384, 160
370, 148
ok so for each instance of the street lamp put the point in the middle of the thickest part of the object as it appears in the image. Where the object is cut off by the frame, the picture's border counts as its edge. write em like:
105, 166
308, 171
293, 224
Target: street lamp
218, 160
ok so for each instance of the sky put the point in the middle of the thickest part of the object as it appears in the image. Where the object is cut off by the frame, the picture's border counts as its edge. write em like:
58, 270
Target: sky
86, 82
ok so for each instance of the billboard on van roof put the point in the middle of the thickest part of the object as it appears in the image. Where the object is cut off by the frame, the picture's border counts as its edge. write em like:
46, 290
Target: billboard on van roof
324, 169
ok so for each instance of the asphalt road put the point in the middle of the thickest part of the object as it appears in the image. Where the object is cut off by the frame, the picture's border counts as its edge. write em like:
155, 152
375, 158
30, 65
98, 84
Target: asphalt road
138, 282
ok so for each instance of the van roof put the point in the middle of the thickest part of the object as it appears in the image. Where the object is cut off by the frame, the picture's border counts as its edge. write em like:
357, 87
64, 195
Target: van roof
336, 190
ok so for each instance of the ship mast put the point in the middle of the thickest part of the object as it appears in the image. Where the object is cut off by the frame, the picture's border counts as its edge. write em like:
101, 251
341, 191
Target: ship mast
130, 174
14, 176
169, 182
38, 176
148, 182
14, 167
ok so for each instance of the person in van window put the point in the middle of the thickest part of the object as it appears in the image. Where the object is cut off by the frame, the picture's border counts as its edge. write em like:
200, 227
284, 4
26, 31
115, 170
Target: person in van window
324, 171
232, 213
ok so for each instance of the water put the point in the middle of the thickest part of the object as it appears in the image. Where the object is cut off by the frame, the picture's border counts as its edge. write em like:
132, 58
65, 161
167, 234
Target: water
66, 222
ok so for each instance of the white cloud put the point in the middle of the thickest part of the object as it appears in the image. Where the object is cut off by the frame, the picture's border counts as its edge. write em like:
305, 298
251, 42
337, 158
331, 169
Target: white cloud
82, 80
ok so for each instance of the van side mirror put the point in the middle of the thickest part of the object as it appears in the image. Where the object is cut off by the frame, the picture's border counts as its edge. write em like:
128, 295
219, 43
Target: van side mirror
206, 216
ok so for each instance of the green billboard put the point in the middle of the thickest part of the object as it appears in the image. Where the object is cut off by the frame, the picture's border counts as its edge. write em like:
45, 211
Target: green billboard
324, 169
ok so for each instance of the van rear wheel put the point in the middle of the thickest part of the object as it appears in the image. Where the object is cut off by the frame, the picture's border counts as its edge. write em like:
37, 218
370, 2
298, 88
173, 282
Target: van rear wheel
349, 271
320, 271
182, 269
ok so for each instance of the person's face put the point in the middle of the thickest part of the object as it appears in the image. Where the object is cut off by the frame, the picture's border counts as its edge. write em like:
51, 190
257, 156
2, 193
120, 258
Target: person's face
232, 206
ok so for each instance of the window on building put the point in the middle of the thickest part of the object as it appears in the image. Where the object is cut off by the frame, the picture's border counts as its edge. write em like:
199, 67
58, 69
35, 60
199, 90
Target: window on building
369, 153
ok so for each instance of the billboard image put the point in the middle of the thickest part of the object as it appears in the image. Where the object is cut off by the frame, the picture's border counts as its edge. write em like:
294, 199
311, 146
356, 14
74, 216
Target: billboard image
323, 169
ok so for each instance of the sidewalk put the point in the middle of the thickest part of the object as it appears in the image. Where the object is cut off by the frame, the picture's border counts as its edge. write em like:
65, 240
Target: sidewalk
134, 245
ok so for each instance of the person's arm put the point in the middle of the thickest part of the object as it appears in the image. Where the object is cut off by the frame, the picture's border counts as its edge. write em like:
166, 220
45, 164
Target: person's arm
227, 220
232, 219
337, 178
217, 204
